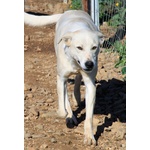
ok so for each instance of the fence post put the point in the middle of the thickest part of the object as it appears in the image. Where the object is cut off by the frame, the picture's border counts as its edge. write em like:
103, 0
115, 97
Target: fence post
92, 7
95, 12
85, 5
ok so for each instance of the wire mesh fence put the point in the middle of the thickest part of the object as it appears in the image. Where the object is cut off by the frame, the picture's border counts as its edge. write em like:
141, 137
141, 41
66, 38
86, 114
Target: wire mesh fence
112, 18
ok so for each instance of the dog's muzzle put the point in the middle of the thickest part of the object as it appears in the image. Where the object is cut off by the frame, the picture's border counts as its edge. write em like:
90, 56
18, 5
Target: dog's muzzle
88, 64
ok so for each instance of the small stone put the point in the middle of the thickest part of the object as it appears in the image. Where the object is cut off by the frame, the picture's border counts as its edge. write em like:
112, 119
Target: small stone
53, 140
40, 101
123, 145
39, 126
33, 89
26, 87
38, 135
38, 49
25, 97
25, 47
44, 146
30, 95
34, 111
27, 135
108, 129
27, 38
69, 142
50, 100
48, 114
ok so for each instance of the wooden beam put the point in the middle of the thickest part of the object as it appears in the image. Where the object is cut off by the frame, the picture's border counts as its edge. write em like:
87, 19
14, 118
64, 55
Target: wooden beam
85, 5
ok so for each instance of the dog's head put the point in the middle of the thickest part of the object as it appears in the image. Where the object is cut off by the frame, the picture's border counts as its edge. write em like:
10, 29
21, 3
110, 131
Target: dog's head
83, 46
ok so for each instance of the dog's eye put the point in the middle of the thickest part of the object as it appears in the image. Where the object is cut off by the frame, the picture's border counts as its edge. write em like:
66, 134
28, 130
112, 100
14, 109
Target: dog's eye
80, 48
94, 47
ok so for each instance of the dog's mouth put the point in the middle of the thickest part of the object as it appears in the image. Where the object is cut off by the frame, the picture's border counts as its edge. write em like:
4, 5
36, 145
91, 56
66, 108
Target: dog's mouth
87, 69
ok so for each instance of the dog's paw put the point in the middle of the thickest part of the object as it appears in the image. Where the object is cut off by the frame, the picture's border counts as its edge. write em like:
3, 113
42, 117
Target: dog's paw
89, 141
62, 114
71, 122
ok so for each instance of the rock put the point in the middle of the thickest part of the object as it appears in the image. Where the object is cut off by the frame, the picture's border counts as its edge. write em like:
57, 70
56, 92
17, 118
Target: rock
38, 135
38, 49
27, 87
53, 140
50, 100
27, 38
30, 95
34, 111
108, 129
43, 146
25, 97
25, 47
33, 89
39, 126
40, 101
48, 114
27, 135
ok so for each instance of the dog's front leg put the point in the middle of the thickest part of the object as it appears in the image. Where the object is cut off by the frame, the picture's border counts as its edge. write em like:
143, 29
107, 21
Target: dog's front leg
90, 101
70, 119
61, 84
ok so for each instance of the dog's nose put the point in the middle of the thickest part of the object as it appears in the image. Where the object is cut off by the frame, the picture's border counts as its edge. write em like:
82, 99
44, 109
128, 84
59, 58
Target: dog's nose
89, 65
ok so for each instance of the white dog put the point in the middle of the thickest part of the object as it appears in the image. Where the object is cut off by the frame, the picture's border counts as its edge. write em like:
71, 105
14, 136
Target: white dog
77, 44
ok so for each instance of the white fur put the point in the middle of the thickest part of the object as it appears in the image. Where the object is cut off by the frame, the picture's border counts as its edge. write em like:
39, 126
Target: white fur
77, 42
40, 20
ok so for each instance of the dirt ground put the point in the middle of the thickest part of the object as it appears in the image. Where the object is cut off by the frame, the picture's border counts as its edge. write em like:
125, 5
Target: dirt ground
43, 128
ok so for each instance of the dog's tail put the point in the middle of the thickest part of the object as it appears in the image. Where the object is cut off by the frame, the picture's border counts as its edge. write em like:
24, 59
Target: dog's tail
34, 20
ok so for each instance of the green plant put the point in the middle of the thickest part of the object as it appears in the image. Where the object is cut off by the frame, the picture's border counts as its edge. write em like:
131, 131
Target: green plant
119, 18
121, 49
113, 11
76, 4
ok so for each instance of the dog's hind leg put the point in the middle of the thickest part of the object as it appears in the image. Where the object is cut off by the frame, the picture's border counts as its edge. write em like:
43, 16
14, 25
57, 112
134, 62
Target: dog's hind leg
61, 83
77, 94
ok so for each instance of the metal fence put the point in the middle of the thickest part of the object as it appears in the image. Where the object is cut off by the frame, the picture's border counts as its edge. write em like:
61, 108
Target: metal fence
108, 15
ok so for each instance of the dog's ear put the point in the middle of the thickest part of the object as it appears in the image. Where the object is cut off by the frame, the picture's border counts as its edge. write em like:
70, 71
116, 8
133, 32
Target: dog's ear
67, 38
101, 37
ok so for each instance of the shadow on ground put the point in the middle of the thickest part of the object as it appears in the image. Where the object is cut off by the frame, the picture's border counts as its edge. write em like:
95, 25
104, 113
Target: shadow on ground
110, 99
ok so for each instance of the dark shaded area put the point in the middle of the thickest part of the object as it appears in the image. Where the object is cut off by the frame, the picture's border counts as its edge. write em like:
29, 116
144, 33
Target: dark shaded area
37, 14
100, 129
110, 99
119, 35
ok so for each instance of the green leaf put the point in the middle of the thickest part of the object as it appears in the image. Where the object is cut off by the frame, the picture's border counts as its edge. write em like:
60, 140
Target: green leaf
123, 70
